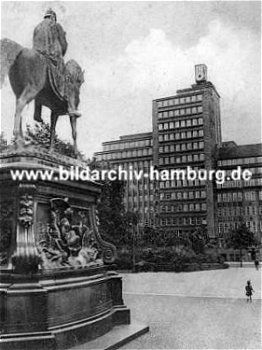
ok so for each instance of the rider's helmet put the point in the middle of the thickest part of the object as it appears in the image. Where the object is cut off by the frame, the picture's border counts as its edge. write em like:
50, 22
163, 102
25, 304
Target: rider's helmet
50, 14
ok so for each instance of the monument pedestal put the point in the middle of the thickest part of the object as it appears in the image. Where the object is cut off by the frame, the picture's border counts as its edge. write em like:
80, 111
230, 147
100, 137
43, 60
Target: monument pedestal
55, 289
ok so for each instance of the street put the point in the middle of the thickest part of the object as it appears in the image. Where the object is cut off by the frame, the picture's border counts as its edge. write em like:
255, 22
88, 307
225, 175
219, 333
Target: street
196, 310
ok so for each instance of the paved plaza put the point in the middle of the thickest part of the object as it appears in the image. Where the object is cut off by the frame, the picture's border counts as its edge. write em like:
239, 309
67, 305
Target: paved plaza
197, 310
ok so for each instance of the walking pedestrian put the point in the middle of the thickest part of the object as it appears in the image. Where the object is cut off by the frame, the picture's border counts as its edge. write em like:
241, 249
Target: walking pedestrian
249, 291
257, 264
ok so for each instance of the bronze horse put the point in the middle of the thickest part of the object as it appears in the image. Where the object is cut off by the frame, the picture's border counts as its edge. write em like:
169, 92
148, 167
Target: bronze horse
30, 78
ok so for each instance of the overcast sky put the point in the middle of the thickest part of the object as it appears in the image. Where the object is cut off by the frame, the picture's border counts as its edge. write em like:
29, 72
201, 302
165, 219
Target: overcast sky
134, 52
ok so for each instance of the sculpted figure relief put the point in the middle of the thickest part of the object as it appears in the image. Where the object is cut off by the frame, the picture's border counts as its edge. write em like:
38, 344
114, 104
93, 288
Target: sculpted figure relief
63, 243
40, 74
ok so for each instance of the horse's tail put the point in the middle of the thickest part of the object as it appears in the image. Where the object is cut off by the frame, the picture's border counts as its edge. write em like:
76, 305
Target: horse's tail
8, 51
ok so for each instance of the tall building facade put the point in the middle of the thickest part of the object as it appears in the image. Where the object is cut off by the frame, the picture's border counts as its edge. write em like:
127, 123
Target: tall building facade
187, 132
133, 152
238, 200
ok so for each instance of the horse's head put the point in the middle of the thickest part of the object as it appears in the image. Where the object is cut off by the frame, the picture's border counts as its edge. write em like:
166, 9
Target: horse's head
74, 80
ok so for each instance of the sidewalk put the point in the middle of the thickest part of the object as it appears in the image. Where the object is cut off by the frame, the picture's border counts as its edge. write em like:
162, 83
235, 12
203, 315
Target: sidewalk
244, 263
197, 310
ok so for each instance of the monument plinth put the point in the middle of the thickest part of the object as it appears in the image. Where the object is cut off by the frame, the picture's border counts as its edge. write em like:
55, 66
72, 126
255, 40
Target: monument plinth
56, 289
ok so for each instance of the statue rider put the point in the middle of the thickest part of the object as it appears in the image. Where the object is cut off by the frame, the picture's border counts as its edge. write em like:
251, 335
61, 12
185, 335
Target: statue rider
49, 39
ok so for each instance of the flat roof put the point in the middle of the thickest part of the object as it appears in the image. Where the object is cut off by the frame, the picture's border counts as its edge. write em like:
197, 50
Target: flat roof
230, 150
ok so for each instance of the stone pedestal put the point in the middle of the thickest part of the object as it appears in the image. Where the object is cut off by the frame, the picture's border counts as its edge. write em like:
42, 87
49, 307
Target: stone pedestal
56, 290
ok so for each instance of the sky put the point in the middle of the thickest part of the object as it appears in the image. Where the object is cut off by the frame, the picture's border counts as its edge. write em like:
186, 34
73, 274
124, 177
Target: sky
134, 52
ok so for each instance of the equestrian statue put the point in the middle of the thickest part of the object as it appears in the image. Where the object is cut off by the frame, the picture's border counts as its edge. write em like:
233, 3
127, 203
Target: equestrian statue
40, 74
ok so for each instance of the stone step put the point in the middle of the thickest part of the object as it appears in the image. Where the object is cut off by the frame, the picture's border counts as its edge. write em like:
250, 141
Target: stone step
117, 337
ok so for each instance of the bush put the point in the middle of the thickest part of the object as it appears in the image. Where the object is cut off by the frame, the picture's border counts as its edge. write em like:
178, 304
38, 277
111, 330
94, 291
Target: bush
169, 259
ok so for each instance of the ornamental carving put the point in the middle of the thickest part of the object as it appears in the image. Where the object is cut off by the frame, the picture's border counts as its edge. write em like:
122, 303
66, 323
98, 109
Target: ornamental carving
26, 210
69, 239
6, 218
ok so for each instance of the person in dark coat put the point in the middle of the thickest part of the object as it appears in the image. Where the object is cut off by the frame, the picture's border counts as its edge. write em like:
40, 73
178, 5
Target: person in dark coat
249, 291
257, 264
49, 39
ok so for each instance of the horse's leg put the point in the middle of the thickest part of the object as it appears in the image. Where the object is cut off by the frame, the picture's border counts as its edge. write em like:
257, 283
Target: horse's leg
74, 134
27, 96
54, 117
38, 111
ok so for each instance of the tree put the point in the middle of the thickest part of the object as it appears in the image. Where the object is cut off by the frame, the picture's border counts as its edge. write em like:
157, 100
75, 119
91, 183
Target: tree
3, 142
111, 211
40, 135
241, 238
199, 239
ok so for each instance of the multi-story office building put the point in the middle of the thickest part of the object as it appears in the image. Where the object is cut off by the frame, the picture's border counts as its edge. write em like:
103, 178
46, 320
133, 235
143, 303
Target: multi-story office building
133, 152
186, 132
239, 200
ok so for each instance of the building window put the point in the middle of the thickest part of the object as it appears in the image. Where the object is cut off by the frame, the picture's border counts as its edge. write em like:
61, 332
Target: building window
199, 109
195, 157
188, 122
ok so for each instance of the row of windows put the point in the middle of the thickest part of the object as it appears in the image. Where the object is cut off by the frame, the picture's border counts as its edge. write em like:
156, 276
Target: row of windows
140, 194
146, 186
184, 207
230, 212
180, 183
182, 221
227, 227
179, 100
141, 164
181, 135
127, 154
240, 161
240, 183
257, 170
135, 191
184, 195
180, 112
181, 147
130, 144
146, 210
180, 124
182, 159
141, 198
236, 196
